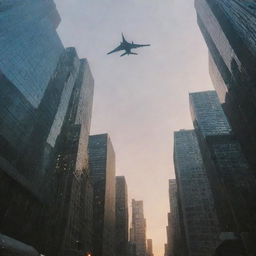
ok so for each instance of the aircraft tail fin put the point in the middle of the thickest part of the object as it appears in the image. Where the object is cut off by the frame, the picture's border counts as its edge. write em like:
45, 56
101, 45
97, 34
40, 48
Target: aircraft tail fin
123, 38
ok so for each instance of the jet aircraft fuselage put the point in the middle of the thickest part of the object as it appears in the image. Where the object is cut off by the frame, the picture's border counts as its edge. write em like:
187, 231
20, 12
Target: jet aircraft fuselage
127, 47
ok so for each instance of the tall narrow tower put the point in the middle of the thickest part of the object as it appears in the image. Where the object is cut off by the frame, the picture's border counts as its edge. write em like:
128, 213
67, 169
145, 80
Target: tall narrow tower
150, 247
138, 229
102, 173
121, 216
176, 240
72, 185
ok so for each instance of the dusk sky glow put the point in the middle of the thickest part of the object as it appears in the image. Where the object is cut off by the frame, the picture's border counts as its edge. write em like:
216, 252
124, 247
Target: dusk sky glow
140, 100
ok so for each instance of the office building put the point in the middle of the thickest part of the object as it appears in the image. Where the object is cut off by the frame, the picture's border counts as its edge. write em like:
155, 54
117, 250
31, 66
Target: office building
229, 29
30, 51
231, 179
28, 100
72, 205
150, 247
166, 250
45, 110
102, 173
138, 228
131, 249
195, 195
176, 240
122, 221
168, 235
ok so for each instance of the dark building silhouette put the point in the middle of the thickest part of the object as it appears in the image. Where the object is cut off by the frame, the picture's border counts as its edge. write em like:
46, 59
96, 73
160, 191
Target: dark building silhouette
169, 233
231, 179
138, 228
230, 245
122, 221
229, 29
176, 241
150, 247
166, 253
131, 249
195, 195
102, 173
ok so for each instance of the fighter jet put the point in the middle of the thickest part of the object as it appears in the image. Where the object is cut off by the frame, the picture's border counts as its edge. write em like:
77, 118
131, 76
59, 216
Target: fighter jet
127, 47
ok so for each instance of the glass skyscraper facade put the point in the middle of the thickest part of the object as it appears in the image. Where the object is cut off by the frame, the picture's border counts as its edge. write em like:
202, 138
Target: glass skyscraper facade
176, 241
122, 225
195, 195
72, 200
232, 181
138, 228
31, 52
208, 114
29, 45
46, 95
102, 173
229, 29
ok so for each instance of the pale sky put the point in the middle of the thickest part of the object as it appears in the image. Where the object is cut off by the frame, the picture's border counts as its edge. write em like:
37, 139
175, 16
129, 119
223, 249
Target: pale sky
140, 100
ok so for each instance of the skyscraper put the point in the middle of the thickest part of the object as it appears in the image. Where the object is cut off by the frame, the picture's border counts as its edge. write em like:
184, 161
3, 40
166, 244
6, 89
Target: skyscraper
72, 206
169, 233
46, 97
165, 249
176, 240
150, 247
232, 181
131, 248
121, 217
29, 61
195, 195
30, 51
102, 173
138, 228
30, 97
229, 29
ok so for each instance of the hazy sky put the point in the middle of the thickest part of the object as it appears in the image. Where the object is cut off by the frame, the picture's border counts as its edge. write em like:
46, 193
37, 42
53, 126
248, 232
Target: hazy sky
140, 100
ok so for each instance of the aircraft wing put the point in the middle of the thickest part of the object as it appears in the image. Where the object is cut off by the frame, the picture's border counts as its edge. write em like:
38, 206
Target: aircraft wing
119, 48
139, 45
